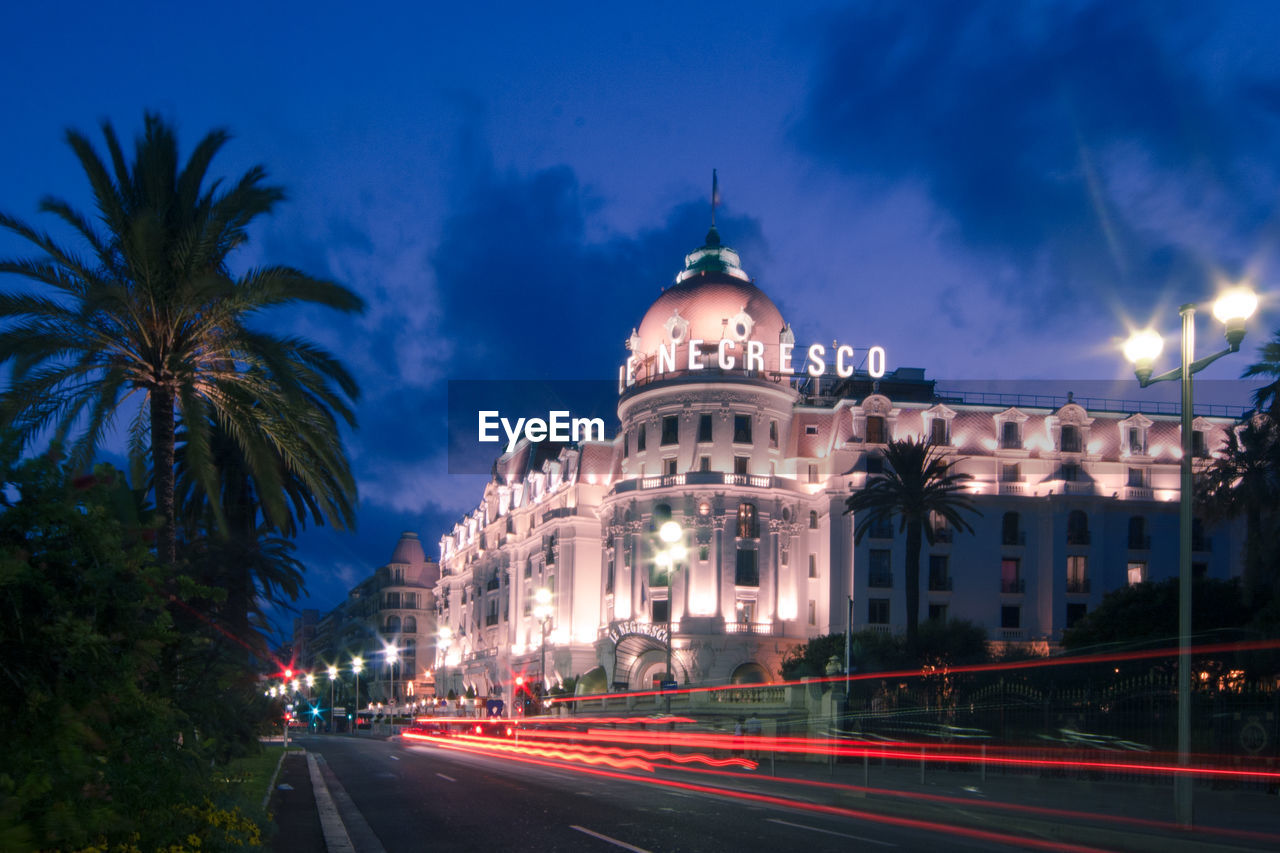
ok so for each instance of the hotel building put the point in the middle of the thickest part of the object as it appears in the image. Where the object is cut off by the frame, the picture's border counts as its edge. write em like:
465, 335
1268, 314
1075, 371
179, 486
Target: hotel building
754, 463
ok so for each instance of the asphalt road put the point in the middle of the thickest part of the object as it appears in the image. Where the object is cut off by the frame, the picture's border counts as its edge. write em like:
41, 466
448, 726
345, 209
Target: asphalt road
394, 796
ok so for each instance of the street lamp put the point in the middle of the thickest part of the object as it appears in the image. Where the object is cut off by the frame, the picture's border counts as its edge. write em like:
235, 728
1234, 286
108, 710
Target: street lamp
357, 664
391, 657
1232, 308
671, 535
333, 677
542, 612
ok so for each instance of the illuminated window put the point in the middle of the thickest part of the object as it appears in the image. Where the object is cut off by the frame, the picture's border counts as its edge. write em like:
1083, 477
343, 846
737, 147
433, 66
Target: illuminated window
1136, 573
748, 525
704, 428
745, 609
1011, 575
1077, 573
742, 429
670, 430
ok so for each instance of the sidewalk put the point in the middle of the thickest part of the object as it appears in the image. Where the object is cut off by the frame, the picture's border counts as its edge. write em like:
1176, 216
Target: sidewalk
293, 805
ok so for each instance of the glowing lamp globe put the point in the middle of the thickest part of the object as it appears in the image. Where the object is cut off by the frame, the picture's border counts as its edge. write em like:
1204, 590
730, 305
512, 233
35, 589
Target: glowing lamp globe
1233, 308
670, 532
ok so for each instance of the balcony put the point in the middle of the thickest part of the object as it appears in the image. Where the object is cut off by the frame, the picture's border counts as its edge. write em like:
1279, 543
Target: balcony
1078, 537
759, 628
878, 628
1010, 444
1077, 586
1138, 493
1073, 488
1013, 488
880, 580
940, 584
1013, 586
1010, 634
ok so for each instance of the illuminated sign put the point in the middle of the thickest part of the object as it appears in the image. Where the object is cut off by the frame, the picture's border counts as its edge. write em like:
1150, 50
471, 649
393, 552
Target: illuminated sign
618, 630
748, 356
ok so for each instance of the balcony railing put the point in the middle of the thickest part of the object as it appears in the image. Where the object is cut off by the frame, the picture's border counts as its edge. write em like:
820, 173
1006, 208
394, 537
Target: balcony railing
1008, 488
940, 584
1077, 585
760, 628
1014, 585
1010, 444
880, 580
1071, 488
1010, 634
1138, 493
710, 478
879, 628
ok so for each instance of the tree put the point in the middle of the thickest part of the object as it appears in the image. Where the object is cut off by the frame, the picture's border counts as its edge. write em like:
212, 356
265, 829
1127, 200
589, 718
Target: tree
919, 483
1148, 613
155, 309
1244, 479
1267, 398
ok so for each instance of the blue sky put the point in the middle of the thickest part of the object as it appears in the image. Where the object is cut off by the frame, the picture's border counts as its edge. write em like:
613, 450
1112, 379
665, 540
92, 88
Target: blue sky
989, 190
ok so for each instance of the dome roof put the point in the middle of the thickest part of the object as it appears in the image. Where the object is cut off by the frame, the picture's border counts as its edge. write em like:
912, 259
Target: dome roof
409, 550
712, 299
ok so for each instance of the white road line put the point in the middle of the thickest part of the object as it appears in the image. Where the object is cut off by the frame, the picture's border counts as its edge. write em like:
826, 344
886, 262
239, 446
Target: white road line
447, 778
336, 839
830, 832
393, 757
615, 842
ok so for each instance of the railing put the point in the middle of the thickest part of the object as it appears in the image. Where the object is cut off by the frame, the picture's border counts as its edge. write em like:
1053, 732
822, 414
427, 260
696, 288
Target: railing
1070, 488
709, 478
1078, 537
1013, 489
1010, 634
877, 628
1010, 444
880, 580
940, 584
1138, 493
760, 628
1102, 404
749, 695
1014, 586
1077, 585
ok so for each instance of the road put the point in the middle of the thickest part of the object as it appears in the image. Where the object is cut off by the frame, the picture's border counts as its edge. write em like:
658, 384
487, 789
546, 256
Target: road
395, 796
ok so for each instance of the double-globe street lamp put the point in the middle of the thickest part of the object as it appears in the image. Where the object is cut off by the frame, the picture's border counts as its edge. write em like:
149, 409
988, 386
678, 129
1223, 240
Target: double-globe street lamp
668, 558
357, 664
333, 678
542, 611
1232, 308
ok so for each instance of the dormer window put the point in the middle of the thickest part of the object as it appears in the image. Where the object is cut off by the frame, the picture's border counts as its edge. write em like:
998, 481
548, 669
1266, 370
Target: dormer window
875, 429
1010, 435
1069, 441
939, 432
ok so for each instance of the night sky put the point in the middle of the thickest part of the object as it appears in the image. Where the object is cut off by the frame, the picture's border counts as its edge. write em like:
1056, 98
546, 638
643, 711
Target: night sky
988, 190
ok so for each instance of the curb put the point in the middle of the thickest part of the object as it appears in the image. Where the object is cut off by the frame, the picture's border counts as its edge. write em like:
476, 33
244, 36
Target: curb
271, 786
336, 839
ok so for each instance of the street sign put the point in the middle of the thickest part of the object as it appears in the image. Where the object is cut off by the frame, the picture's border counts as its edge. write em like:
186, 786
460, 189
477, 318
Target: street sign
669, 685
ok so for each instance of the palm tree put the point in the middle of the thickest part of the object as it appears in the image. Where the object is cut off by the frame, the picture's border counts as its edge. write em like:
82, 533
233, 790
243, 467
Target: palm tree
1244, 479
153, 310
1268, 396
918, 483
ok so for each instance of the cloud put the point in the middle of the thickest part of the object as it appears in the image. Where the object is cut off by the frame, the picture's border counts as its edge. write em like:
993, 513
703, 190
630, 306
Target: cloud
1104, 149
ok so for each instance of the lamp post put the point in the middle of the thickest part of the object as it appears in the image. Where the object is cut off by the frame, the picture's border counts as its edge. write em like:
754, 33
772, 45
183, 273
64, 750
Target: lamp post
444, 641
671, 535
1232, 308
542, 612
391, 657
357, 664
333, 677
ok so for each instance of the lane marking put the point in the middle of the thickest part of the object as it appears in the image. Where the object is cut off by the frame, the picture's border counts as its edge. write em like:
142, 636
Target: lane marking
336, 839
615, 842
394, 757
447, 778
832, 832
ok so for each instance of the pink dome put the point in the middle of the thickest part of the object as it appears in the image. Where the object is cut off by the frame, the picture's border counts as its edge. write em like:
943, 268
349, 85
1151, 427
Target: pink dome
713, 299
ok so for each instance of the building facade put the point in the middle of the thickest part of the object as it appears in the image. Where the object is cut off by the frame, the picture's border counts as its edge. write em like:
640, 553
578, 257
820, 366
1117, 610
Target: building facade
388, 621
751, 446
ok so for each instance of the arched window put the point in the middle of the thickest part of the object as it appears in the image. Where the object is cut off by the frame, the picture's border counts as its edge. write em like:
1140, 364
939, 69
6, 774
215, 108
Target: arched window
1077, 528
1010, 532
813, 519
749, 673
393, 625
410, 624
